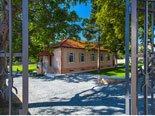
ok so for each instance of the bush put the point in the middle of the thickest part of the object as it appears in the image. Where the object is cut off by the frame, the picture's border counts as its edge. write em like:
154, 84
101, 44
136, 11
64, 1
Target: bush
16, 63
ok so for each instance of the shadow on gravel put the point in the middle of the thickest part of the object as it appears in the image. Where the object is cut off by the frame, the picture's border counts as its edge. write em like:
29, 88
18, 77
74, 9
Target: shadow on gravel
99, 100
106, 96
73, 78
111, 97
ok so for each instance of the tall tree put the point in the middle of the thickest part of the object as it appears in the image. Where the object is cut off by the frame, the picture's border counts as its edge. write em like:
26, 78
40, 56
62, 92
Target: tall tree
4, 35
111, 18
92, 30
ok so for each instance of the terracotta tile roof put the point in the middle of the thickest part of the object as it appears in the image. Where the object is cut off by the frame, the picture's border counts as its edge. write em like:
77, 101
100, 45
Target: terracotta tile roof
45, 53
79, 44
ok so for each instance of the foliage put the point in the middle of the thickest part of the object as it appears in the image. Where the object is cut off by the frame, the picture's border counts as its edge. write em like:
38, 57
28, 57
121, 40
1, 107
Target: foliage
49, 22
0, 10
121, 55
16, 63
91, 30
90, 27
111, 18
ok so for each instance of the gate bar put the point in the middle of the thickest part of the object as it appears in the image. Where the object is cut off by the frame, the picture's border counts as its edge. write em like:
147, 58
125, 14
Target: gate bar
147, 0
146, 59
143, 9
152, 48
137, 57
8, 54
24, 110
10, 57
127, 103
134, 106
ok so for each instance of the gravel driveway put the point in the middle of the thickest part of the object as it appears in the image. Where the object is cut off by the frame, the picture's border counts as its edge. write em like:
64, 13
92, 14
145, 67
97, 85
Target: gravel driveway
75, 94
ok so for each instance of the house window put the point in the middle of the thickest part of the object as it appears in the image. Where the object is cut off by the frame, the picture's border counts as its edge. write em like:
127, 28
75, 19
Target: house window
108, 57
93, 57
71, 57
102, 57
82, 57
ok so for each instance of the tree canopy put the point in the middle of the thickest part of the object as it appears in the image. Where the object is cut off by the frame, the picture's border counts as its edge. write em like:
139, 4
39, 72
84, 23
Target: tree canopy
111, 18
49, 21
90, 26
52, 20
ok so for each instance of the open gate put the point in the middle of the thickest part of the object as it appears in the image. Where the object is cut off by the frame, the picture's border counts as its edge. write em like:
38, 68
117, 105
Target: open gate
24, 55
149, 75
148, 57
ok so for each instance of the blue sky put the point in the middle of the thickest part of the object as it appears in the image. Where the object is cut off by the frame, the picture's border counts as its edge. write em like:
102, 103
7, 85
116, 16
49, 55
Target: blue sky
83, 11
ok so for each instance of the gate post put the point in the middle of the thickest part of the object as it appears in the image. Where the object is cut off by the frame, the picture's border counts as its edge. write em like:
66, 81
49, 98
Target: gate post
10, 57
134, 103
24, 110
152, 48
146, 59
127, 103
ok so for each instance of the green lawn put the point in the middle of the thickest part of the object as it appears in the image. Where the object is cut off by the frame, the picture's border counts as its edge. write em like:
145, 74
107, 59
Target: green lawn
32, 67
115, 72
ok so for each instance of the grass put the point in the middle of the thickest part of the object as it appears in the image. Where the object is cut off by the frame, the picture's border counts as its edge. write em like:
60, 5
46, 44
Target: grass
115, 72
32, 67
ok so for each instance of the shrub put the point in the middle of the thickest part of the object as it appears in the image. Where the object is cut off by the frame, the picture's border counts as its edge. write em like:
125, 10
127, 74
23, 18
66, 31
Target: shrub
16, 63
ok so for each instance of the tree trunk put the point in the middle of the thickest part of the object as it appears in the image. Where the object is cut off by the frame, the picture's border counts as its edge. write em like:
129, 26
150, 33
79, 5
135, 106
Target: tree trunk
4, 40
4, 36
116, 59
98, 58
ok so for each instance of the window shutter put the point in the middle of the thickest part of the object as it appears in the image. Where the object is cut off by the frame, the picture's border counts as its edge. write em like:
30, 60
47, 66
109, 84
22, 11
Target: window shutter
95, 57
91, 57
67, 56
74, 57
85, 58
79, 57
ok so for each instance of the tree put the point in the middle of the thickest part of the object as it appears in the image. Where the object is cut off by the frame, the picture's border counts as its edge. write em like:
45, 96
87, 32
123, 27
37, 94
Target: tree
4, 36
49, 20
111, 18
92, 30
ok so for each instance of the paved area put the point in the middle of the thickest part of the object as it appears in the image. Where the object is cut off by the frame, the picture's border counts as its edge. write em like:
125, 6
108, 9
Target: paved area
75, 94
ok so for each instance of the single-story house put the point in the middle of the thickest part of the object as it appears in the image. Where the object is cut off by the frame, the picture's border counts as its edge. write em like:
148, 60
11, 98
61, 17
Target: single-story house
71, 56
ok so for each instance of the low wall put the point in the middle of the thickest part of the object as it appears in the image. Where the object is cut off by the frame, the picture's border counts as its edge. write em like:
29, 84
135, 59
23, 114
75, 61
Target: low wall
109, 81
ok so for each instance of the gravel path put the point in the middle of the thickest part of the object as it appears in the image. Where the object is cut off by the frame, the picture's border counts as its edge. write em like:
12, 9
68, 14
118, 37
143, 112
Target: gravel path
75, 94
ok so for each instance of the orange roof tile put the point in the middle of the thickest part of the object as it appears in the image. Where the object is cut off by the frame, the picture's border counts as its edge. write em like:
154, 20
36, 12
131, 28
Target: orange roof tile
45, 53
79, 44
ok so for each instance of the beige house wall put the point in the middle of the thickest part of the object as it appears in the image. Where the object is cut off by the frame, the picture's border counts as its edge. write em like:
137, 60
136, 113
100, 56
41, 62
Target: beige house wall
55, 62
60, 62
78, 66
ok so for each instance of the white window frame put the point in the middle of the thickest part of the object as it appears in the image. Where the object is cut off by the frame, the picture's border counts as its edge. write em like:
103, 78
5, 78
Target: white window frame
68, 57
84, 56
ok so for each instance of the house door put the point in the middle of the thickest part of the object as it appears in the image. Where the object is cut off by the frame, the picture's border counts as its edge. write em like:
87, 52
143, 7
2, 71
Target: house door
50, 65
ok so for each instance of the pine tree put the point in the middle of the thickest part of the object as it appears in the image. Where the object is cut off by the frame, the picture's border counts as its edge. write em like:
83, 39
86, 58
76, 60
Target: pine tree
92, 31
